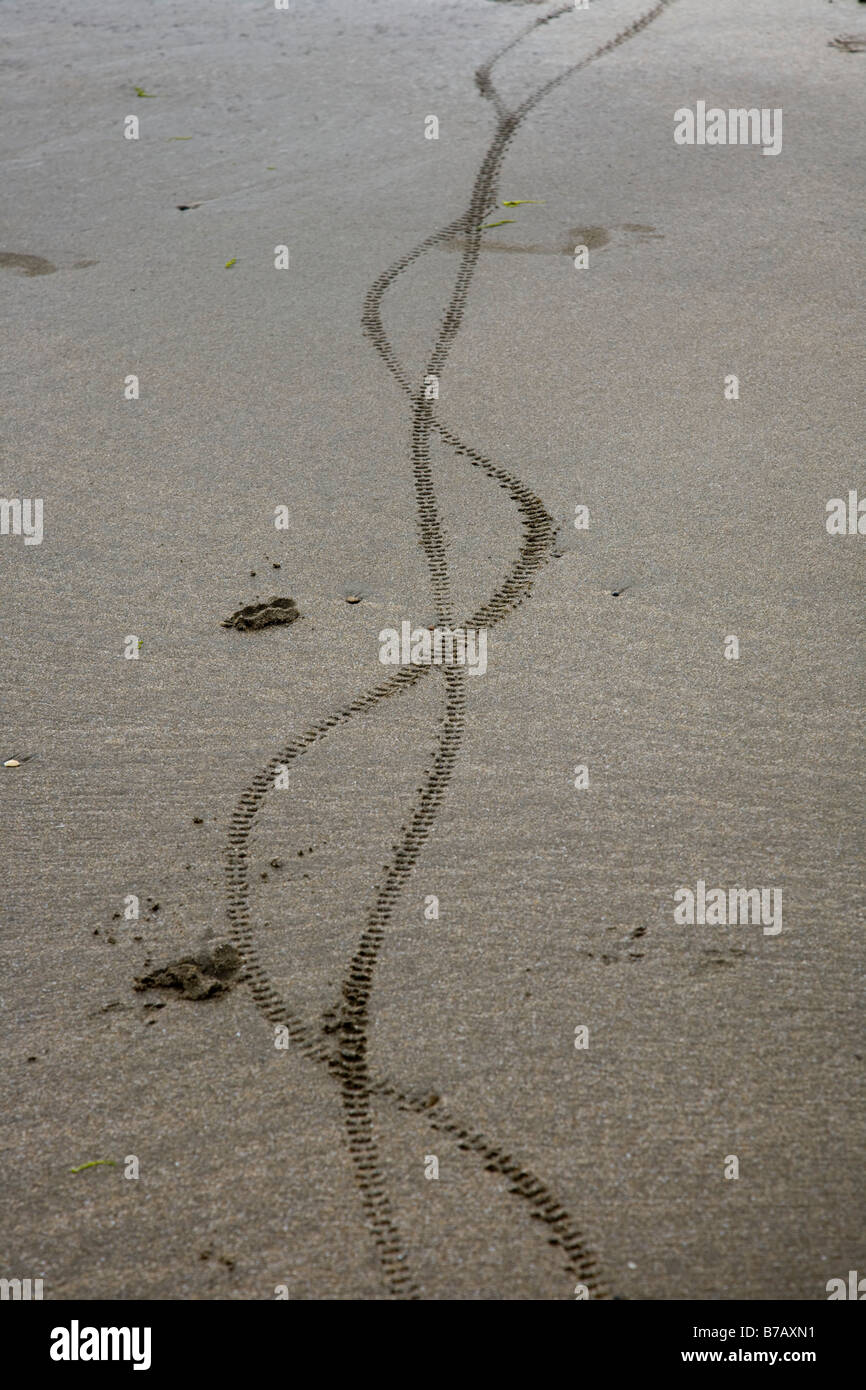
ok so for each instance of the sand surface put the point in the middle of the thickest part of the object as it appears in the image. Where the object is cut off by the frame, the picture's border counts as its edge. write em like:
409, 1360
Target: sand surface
304, 1167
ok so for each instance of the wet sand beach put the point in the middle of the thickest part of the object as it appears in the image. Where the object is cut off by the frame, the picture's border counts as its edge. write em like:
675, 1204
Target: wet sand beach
362, 980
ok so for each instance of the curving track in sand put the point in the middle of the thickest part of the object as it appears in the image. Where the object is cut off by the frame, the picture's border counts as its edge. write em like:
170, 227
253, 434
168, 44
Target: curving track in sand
348, 1061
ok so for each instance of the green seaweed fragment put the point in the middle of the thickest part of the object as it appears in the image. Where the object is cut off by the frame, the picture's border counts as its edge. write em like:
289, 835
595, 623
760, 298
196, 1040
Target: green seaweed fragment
518, 202
232, 262
95, 1163
503, 223
140, 92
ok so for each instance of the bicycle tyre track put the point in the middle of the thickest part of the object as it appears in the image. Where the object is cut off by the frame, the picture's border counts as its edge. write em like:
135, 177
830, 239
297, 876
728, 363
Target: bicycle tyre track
349, 1062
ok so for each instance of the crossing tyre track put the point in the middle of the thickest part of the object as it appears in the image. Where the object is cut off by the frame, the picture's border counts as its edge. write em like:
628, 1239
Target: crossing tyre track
347, 1060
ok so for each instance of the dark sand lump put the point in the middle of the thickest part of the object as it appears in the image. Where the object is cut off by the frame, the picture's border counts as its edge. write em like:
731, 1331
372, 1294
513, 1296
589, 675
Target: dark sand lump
256, 615
203, 977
